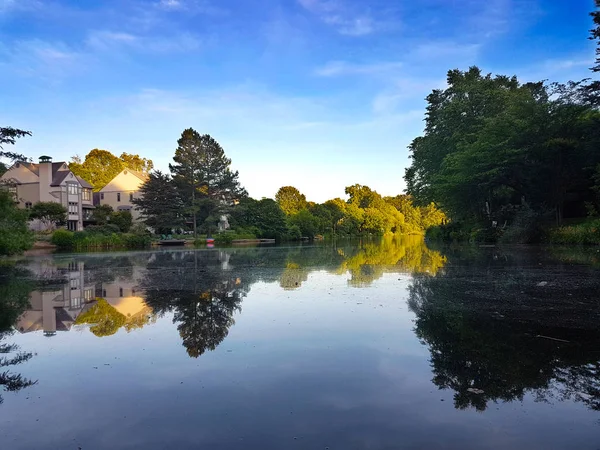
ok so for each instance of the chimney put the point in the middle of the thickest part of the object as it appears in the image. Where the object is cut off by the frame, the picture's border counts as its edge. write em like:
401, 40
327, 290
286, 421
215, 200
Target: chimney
45, 174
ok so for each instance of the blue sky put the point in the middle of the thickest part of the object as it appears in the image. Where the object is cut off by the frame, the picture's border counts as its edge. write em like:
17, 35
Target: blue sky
319, 94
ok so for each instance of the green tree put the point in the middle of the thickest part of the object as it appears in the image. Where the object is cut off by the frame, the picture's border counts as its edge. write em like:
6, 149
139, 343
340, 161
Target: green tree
9, 135
122, 219
208, 187
98, 168
308, 224
101, 214
51, 214
264, 215
101, 166
160, 203
137, 163
15, 236
290, 200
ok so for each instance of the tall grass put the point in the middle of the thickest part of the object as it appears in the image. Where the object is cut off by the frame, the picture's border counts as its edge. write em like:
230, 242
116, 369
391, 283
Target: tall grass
587, 233
84, 240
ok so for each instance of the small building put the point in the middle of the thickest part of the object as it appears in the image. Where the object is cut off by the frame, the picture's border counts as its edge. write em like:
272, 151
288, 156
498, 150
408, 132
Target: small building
121, 190
49, 181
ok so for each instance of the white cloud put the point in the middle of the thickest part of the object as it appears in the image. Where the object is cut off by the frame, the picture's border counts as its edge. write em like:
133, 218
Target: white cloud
8, 6
347, 20
340, 68
190, 6
109, 40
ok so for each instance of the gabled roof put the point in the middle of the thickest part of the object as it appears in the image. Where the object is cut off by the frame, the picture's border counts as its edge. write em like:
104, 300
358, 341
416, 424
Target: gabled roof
142, 176
58, 176
84, 183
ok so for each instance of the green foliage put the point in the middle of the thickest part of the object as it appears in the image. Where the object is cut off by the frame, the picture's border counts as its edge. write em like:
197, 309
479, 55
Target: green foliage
264, 215
206, 184
492, 144
98, 238
306, 222
103, 317
15, 237
582, 234
290, 200
9, 135
525, 228
108, 228
101, 214
49, 213
294, 233
160, 203
123, 220
63, 239
101, 166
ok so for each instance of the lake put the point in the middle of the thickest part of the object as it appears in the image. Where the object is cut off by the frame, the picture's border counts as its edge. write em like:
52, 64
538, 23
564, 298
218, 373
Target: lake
380, 344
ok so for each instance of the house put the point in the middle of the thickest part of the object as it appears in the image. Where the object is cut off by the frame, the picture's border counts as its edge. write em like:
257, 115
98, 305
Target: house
121, 190
50, 181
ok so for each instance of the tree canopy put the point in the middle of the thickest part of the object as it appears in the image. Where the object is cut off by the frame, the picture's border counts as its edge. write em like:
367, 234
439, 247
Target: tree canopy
160, 203
49, 213
290, 200
100, 166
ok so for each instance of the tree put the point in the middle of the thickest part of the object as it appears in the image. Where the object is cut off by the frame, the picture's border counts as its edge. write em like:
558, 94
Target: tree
101, 214
308, 224
264, 215
122, 219
135, 162
98, 168
101, 166
160, 203
15, 236
595, 35
51, 214
290, 200
208, 186
9, 135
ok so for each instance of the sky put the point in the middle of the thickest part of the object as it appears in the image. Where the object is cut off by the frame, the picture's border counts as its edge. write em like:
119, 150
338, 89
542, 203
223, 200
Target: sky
317, 94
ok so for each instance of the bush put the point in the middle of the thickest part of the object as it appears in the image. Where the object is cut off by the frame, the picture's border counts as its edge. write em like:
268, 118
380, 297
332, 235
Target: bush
294, 233
103, 229
584, 234
122, 219
63, 238
525, 228
449, 232
15, 237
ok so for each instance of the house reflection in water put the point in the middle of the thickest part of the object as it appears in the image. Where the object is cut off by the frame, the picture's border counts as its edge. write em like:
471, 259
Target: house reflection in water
75, 294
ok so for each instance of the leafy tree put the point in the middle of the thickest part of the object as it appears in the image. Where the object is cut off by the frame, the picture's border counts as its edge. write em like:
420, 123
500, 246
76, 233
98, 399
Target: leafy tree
103, 317
98, 168
308, 224
15, 236
135, 162
265, 215
290, 200
208, 187
51, 214
101, 214
122, 219
9, 135
160, 203
595, 34
101, 166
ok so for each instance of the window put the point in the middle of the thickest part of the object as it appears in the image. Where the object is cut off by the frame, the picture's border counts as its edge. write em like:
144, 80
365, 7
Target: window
28, 205
73, 189
13, 191
73, 208
74, 283
131, 196
120, 292
118, 196
101, 195
86, 194
76, 303
88, 294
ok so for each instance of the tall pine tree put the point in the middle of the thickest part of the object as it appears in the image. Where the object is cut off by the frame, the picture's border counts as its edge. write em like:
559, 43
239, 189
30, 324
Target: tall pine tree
159, 203
202, 173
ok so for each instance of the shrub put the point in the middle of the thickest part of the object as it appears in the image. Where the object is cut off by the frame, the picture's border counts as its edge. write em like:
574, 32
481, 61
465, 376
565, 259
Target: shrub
103, 229
122, 219
525, 228
294, 233
63, 238
585, 234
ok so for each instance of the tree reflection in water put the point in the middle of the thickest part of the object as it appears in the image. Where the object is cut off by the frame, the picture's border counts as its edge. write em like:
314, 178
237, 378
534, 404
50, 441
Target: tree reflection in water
15, 287
487, 322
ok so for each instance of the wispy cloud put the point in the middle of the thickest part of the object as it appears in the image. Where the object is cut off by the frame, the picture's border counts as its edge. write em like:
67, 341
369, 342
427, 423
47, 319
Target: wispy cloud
7, 6
103, 40
345, 19
49, 61
341, 68
190, 6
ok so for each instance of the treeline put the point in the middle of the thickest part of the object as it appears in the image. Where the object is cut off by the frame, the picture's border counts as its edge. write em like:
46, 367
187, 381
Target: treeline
201, 191
505, 159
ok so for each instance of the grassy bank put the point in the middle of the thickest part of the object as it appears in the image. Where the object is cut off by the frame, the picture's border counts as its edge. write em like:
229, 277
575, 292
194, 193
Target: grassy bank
85, 240
522, 232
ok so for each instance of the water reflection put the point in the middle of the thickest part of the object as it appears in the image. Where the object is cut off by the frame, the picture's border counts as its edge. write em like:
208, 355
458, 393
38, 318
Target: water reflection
503, 324
15, 287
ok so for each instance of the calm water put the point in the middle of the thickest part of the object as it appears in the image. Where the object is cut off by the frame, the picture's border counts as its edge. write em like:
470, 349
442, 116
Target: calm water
380, 345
